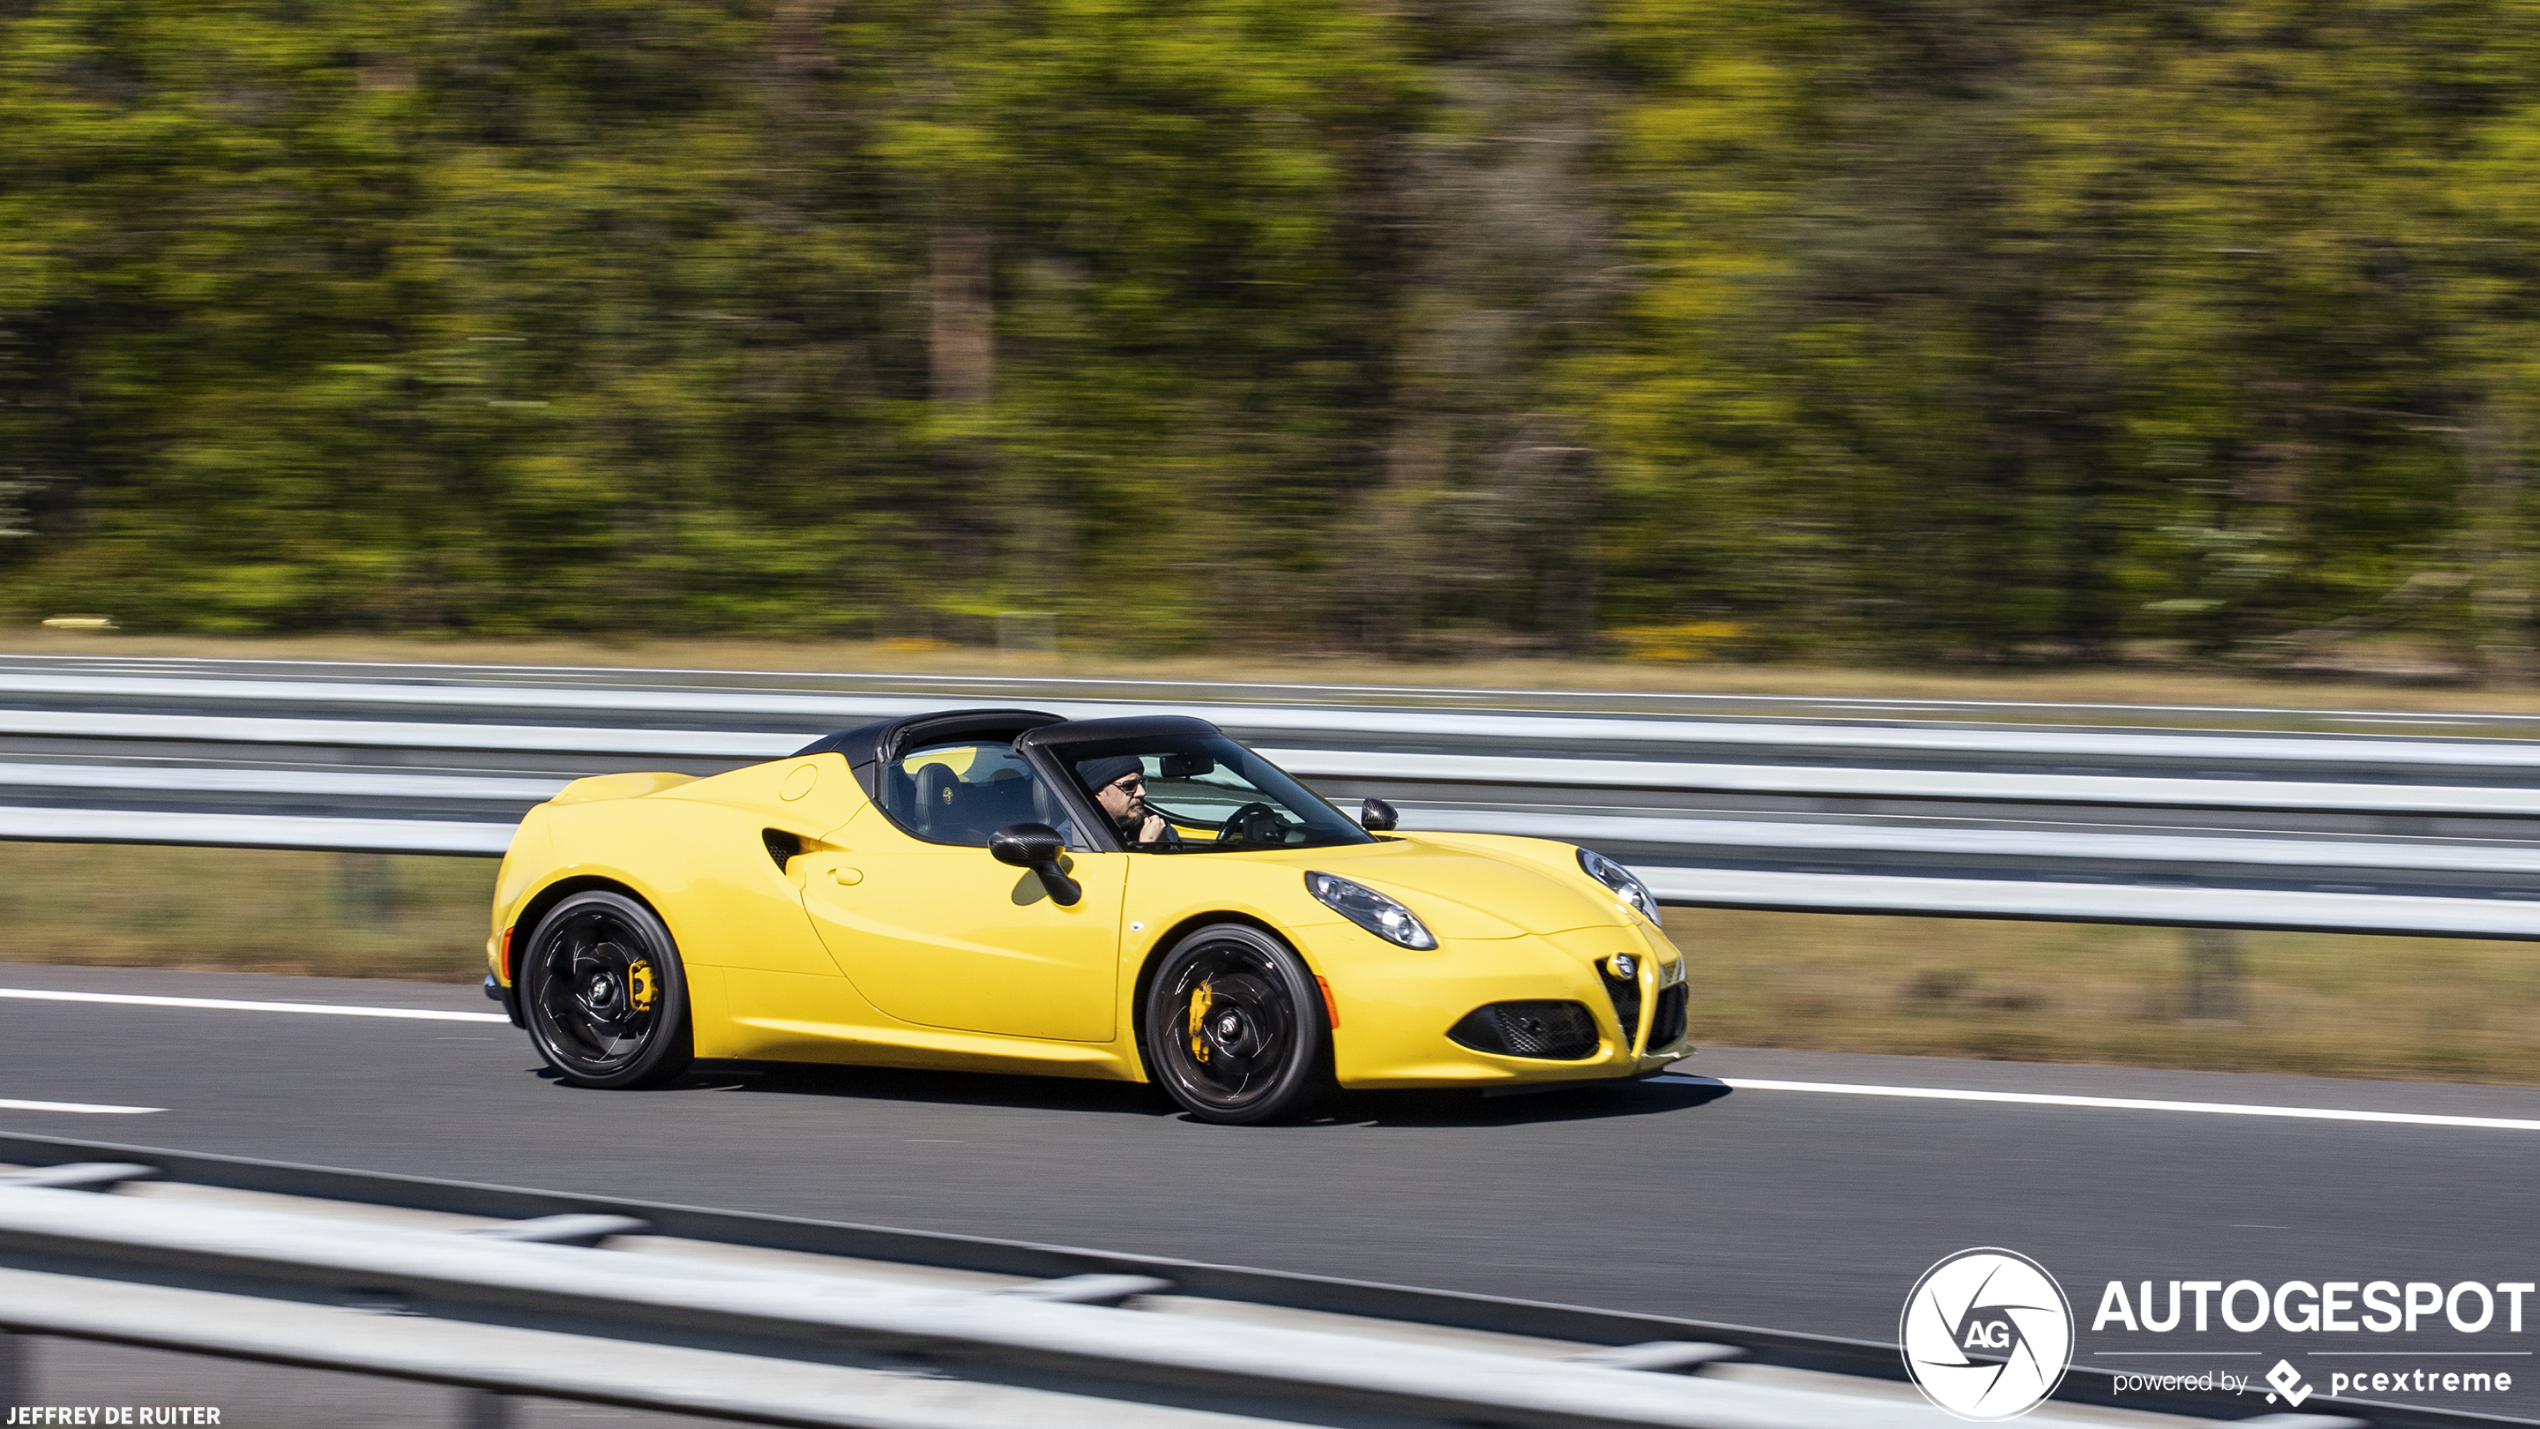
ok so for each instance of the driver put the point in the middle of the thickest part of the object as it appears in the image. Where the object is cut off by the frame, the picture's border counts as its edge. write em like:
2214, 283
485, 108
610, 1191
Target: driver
1119, 782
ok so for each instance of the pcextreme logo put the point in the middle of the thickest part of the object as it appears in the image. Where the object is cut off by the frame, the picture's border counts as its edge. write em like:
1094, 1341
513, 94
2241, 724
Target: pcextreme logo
1987, 1334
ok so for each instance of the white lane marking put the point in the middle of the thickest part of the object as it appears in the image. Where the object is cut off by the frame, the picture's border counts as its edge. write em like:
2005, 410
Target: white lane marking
223, 1004
2303, 1113
93, 1108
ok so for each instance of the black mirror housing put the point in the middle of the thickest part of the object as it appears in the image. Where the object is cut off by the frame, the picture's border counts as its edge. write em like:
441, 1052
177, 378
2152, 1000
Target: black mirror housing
1038, 848
1026, 845
1376, 816
1186, 766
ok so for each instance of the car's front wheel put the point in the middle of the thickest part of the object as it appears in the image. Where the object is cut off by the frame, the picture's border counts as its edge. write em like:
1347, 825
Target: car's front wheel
1235, 1027
603, 993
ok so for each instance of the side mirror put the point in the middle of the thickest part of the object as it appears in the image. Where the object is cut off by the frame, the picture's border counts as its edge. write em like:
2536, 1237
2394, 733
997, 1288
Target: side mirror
1037, 847
1375, 815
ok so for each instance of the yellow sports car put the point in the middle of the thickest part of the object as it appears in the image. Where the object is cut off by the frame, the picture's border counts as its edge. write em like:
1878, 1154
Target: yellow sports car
999, 890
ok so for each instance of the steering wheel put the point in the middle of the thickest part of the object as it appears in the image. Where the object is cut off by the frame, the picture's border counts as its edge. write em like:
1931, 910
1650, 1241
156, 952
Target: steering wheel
1255, 823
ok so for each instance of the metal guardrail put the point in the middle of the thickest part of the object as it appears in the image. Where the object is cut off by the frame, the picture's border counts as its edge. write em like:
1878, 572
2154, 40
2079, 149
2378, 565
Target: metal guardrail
2049, 902
996, 1345
209, 830
1949, 785
2026, 900
1393, 766
1016, 682
2314, 832
526, 1308
815, 711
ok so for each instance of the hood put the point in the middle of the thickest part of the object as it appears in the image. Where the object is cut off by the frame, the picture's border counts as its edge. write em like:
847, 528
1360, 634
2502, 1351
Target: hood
1467, 894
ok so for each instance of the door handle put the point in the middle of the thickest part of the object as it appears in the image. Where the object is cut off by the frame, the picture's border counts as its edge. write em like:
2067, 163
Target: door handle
848, 877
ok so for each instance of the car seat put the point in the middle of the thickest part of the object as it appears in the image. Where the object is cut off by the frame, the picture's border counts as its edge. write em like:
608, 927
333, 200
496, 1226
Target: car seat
937, 811
1002, 801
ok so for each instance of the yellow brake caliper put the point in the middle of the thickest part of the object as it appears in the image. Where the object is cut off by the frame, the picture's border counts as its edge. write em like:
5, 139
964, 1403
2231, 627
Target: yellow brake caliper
1200, 1001
639, 986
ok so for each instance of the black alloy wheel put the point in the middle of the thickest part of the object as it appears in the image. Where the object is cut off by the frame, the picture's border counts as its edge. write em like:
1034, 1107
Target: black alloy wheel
1236, 1029
604, 995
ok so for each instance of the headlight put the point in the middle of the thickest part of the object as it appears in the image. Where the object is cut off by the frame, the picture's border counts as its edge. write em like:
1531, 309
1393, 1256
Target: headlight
1370, 910
1613, 875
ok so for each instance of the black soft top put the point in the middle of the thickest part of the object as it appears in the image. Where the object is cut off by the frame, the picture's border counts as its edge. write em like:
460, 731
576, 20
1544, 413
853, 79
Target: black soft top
1123, 732
869, 745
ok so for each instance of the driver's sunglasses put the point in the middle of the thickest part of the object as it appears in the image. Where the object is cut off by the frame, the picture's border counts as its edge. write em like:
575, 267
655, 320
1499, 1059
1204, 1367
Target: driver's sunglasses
1130, 783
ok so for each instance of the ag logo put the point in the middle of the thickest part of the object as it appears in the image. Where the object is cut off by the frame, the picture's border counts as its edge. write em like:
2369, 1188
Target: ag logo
1987, 1334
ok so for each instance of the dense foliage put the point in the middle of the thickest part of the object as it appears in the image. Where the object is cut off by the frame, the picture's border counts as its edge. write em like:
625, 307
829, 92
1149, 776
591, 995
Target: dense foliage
1961, 330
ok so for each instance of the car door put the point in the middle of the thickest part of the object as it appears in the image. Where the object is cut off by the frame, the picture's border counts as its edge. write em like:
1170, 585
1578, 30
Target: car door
936, 932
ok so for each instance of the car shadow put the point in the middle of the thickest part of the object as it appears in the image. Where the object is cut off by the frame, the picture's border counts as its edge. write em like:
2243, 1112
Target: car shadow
1594, 1101
896, 1084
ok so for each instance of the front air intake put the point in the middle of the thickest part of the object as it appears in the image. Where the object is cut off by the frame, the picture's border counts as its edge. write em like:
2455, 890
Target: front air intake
1667, 1026
1626, 994
1549, 1031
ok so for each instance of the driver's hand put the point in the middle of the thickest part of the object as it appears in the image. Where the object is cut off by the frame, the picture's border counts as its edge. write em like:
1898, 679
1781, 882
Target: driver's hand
1152, 829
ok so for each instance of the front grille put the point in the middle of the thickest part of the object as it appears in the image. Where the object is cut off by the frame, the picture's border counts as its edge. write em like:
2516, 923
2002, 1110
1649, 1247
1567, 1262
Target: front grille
1667, 1025
1552, 1031
1626, 994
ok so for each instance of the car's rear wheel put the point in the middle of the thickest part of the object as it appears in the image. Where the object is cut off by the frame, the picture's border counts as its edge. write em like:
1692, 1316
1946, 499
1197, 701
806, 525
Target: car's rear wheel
604, 994
1235, 1027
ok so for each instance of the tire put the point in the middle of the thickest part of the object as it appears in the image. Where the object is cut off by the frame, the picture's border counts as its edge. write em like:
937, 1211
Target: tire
604, 995
1235, 1027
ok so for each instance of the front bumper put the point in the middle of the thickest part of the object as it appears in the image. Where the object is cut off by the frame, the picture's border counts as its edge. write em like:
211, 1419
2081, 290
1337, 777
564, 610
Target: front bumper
1396, 1006
509, 997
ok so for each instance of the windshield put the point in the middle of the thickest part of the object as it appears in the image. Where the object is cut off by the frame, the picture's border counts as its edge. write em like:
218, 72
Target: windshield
1204, 793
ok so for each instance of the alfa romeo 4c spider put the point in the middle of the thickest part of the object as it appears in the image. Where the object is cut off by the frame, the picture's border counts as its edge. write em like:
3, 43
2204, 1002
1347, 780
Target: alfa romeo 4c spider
1140, 899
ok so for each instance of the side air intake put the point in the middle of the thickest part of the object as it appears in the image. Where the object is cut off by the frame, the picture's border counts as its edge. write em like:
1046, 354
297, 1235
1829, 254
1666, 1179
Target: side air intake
780, 844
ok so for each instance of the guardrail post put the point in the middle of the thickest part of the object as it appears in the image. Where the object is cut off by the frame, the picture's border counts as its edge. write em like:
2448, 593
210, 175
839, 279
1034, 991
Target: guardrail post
17, 1376
2213, 976
484, 1409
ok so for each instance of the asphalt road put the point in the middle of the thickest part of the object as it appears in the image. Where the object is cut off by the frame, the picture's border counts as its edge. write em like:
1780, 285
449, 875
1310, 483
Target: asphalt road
1790, 1209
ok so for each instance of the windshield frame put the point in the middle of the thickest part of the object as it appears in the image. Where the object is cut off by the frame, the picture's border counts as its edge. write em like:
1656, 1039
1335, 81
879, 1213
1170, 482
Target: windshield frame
1056, 750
